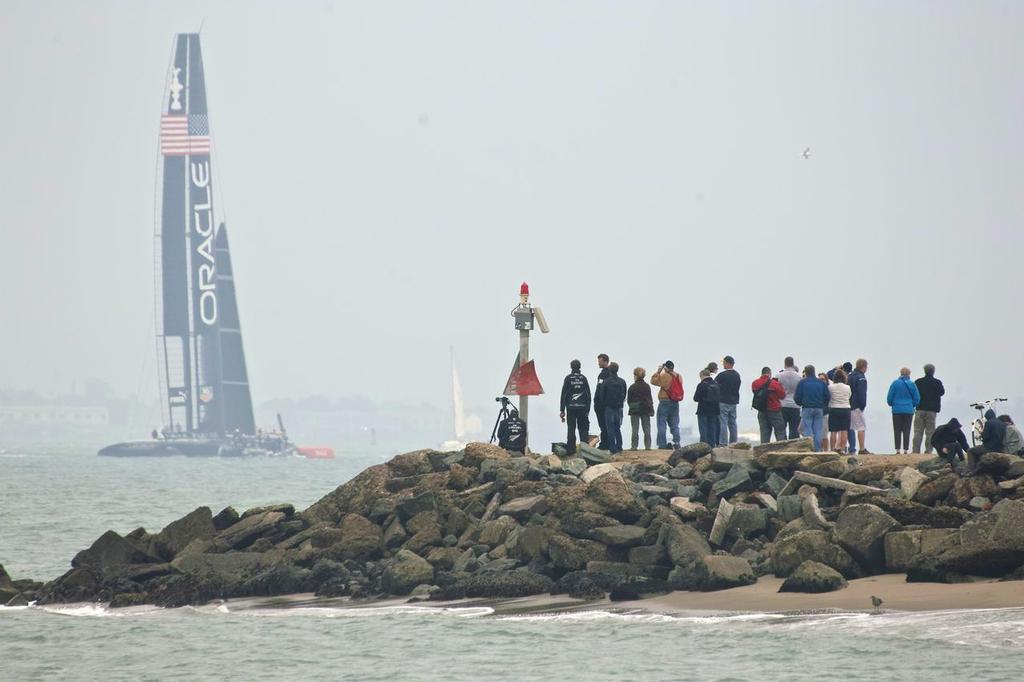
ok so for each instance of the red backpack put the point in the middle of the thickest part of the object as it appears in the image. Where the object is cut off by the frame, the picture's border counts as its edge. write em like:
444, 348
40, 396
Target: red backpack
675, 389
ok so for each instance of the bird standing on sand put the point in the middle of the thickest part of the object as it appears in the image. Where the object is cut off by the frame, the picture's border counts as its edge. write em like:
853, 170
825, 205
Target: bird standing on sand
876, 602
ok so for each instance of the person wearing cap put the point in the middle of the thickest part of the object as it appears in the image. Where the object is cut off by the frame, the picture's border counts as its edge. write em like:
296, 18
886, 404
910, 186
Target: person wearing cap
668, 407
931, 390
729, 383
950, 442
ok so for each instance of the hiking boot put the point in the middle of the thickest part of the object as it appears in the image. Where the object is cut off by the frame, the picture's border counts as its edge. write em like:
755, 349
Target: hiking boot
863, 452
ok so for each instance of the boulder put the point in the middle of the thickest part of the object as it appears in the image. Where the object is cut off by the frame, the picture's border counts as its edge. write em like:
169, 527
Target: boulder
319, 536
614, 497
360, 538
813, 577
738, 480
721, 524
524, 507
494, 533
593, 455
746, 520
990, 544
910, 481
409, 507
685, 545
597, 471
649, 555
931, 491
443, 558
405, 572
285, 508
573, 554
814, 545
626, 570
476, 453
574, 466
775, 484
966, 489
177, 534
688, 511
225, 517
689, 453
723, 458
504, 585
860, 530
583, 524
529, 543
620, 536
395, 535
248, 530
227, 572
833, 468
357, 496
411, 464
997, 463
903, 546
110, 549
790, 507
804, 445
911, 513
723, 572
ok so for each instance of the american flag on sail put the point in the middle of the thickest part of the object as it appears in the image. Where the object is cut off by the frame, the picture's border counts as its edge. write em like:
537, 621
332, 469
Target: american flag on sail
184, 134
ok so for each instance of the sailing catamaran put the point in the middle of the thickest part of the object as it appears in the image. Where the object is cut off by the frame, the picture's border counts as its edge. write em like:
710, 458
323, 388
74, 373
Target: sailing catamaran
203, 379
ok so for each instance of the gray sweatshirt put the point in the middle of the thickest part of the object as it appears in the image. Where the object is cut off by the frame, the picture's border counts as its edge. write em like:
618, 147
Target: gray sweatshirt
789, 378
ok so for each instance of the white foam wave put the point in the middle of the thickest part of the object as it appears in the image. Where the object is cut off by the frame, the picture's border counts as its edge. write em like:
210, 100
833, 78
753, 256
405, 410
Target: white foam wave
357, 611
97, 610
643, 617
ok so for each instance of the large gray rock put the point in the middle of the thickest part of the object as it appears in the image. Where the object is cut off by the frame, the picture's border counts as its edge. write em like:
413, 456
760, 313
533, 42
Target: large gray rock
360, 538
860, 530
738, 480
522, 508
990, 544
689, 453
248, 530
685, 545
812, 545
911, 513
614, 497
620, 535
627, 570
573, 554
227, 571
505, 585
902, 547
724, 572
406, 571
930, 492
494, 533
813, 577
177, 534
109, 549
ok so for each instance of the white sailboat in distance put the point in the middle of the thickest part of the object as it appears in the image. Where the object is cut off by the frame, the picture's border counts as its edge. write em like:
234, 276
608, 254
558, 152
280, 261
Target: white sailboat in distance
458, 440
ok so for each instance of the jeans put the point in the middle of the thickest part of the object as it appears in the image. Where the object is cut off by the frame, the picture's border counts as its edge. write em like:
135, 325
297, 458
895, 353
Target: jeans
613, 428
599, 413
901, 430
576, 419
769, 422
668, 415
637, 422
924, 425
813, 420
851, 441
727, 430
791, 415
707, 425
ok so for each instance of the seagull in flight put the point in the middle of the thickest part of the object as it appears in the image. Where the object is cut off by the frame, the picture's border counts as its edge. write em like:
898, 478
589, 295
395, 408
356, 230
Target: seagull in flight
807, 153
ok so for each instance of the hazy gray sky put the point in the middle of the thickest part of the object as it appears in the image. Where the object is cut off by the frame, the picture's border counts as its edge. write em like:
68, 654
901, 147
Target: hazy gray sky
392, 171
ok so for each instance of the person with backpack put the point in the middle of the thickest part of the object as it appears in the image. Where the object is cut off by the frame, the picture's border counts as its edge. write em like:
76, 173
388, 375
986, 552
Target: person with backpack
706, 395
729, 383
575, 406
812, 397
670, 394
931, 390
614, 398
768, 397
903, 398
641, 409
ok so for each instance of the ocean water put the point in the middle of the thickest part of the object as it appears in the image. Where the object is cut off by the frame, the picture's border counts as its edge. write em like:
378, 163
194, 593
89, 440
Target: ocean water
54, 502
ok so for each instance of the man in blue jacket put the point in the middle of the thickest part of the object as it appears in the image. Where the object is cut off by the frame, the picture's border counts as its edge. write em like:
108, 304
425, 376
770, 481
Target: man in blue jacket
858, 402
903, 398
812, 397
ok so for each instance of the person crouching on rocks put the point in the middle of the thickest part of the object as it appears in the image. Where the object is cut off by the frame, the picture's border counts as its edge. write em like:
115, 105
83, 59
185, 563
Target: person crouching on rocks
950, 442
512, 433
992, 437
641, 409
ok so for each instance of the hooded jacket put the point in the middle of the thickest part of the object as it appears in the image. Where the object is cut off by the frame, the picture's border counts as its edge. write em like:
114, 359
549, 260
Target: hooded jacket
859, 390
1013, 441
994, 433
931, 390
903, 396
948, 434
575, 393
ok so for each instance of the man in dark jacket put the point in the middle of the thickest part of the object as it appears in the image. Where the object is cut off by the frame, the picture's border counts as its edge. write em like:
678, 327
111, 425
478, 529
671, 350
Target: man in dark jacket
614, 394
574, 408
512, 433
706, 395
812, 397
729, 383
950, 442
602, 363
931, 390
992, 437
858, 401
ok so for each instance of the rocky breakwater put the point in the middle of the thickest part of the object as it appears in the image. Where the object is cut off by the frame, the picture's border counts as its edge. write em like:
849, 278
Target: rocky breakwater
483, 523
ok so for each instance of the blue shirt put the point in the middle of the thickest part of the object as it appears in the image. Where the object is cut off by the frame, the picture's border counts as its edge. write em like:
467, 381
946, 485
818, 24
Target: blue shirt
903, 396
811, 392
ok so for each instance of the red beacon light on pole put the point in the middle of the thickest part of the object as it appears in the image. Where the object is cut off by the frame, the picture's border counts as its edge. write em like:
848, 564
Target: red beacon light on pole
524, 289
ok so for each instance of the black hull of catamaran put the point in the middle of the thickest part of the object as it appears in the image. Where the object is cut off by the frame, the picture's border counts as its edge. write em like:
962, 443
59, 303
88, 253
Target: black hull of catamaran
203, 447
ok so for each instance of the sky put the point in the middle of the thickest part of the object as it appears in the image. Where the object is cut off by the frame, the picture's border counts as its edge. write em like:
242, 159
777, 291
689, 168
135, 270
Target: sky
391, 172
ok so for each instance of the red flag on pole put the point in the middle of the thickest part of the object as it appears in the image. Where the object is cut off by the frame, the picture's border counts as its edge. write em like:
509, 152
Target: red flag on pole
523, 380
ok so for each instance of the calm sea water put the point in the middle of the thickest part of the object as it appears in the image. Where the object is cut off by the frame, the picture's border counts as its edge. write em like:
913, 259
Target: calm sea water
55, 502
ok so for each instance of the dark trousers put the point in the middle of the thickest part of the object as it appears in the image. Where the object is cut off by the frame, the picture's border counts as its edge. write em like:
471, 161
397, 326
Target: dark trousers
640, 422
576, 420
599, 413
613, 426
791, 415
770, 422
951, 452
901, 430
708, 425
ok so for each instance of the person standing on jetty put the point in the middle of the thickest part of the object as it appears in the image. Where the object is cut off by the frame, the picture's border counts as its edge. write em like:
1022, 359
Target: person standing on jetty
949, 442
851, 435
903, 398
729, 383
859, 402
670, 394
812, 397
602, 363
1013, 441
575, 406
838, 412
768, 396
789, 377
641, 409
931, 390
706, 395
614, 394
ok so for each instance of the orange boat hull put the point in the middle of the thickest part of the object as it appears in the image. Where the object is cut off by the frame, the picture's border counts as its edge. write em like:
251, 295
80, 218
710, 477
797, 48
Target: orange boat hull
316, 452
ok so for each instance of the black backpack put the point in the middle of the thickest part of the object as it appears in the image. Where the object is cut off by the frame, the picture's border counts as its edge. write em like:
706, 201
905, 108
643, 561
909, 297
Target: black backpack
760, 400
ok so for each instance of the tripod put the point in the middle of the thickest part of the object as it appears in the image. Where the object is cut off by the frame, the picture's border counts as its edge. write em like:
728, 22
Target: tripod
502, 415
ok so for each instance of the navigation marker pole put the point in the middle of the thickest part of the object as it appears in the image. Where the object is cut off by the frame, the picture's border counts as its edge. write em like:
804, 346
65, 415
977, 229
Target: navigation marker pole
524, 315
